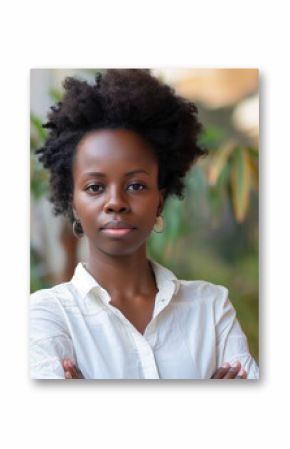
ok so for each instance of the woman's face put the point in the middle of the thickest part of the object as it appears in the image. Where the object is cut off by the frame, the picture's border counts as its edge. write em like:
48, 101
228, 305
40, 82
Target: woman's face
115, 176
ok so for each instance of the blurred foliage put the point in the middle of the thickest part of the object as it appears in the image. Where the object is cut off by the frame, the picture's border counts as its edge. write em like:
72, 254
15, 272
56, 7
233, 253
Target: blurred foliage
38, 176
38, 188
37, 272
213, 233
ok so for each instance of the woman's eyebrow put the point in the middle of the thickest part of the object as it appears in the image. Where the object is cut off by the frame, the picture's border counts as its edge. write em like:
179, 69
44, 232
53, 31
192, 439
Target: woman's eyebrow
129, 173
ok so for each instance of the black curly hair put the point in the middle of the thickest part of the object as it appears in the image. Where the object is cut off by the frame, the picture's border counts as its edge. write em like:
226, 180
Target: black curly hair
121, 98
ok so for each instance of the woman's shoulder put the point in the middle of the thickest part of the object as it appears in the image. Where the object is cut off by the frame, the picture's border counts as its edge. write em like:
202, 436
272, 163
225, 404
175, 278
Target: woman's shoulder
202, 291
193, 285
54, 296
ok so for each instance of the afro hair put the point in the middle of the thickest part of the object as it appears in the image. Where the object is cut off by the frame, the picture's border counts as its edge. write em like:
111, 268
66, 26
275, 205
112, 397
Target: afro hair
121, 98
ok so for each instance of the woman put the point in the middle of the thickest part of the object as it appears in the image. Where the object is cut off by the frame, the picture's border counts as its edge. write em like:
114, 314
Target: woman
115, 151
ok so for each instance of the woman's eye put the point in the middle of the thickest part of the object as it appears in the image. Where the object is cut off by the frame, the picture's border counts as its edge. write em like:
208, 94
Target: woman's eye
94, 188
138, 185
98, 188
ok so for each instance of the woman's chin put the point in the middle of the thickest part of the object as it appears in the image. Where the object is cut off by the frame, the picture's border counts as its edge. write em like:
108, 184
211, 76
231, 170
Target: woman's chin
119, 248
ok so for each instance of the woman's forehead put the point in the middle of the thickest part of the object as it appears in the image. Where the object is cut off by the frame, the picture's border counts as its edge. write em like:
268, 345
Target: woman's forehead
102, 148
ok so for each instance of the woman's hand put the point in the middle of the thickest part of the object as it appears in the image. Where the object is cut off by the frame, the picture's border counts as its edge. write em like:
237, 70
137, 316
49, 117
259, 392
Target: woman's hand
71, 371
230, 372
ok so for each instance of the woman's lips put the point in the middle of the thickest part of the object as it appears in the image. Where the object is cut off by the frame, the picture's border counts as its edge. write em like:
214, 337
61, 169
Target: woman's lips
117, 231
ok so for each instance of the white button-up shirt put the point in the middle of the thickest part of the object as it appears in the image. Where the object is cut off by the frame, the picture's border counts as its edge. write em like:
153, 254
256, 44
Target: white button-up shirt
192, 332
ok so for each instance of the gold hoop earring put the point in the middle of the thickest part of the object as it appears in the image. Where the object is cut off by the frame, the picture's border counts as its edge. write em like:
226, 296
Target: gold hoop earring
77, 229
159, 224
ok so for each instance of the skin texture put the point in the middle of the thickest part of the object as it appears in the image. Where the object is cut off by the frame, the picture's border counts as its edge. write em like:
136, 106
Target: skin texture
134, 198
119, 263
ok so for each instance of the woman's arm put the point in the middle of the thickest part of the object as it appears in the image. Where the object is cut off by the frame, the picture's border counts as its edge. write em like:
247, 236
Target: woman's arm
50, 341
71, 371
231, 342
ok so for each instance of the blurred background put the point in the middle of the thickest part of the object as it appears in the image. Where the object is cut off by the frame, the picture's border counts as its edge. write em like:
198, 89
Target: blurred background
212, 234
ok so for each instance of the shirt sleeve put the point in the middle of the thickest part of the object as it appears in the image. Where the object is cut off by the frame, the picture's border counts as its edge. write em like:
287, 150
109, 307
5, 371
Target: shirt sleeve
232, 343
50, 341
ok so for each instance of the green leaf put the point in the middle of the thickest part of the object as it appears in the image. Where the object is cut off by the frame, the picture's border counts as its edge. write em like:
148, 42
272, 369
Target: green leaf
240, 183
211, 137
219, 160
254, 168
223, 178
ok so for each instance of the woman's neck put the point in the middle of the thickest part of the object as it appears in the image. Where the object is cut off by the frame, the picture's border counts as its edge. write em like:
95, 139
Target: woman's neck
125, 277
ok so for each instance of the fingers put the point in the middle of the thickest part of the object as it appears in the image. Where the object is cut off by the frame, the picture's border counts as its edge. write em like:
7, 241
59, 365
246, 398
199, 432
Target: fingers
233, 371
228, 371
68, 367
221, 372
242, 374
71, 371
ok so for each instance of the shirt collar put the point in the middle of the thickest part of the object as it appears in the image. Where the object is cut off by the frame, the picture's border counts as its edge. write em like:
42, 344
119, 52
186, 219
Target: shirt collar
167, 282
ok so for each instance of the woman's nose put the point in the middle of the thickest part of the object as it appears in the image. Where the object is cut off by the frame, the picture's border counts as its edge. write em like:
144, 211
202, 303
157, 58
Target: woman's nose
116, 201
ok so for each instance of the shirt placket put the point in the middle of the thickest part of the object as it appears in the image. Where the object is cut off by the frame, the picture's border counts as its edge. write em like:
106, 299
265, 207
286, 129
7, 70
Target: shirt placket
142, 342
143, 346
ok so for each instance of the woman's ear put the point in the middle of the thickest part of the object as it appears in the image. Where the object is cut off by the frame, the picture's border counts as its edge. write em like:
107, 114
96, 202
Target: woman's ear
75, 214
161, 200
72, 205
